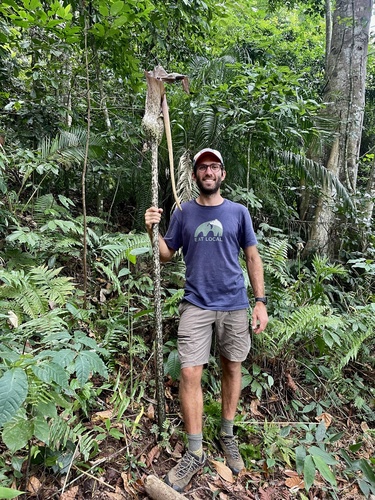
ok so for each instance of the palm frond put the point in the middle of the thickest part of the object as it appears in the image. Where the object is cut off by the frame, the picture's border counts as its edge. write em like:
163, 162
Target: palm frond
186, 188
313, 173
68, 147
206, 71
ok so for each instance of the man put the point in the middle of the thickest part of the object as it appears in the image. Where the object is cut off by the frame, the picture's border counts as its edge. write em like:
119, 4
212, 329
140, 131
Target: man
211, 231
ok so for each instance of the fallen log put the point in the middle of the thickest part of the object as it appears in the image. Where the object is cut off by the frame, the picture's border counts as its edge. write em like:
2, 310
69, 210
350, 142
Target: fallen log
158, 490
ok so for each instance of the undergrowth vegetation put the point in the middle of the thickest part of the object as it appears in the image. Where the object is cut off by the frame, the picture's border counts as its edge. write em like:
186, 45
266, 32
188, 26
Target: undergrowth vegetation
77, 371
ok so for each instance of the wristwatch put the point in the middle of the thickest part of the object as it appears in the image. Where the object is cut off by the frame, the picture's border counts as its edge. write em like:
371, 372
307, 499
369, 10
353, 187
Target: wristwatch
261, 299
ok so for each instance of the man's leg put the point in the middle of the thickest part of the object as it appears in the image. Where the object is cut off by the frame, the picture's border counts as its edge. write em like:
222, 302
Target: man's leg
230, 394
230, 387
191, 399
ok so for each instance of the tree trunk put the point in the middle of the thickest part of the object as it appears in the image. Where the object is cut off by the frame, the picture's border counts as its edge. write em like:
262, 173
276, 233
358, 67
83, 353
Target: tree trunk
328, 10
345, 95
368, 208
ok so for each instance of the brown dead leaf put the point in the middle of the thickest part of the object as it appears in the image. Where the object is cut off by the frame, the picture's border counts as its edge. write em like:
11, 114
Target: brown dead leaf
290, 473
326, 418
223, 496
125, 481
290, 382
13, 319
154, 453
33, 485
116, 495
223, 471
178, 449
151, 411
254, 408
213, 487
70, 494
272, 493
168, 393
295, 483
102, 416
102, 295
365, 428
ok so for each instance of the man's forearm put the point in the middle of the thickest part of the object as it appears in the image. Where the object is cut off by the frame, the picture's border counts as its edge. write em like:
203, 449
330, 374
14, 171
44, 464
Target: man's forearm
165, 252
255, 271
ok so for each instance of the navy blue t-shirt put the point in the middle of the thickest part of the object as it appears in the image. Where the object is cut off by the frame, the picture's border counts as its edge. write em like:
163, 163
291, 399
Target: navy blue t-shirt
211, 239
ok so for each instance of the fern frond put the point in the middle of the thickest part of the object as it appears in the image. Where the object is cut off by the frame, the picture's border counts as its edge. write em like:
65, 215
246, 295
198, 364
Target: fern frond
275, 258
302, 324
119, 248
354, 342
32, 301
110, 274
46, 326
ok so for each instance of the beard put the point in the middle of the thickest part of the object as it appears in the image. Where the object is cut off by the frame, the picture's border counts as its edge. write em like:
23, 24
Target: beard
208, 190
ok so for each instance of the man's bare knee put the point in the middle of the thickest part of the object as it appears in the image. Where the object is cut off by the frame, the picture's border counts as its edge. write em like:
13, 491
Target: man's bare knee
230, 368
191, 375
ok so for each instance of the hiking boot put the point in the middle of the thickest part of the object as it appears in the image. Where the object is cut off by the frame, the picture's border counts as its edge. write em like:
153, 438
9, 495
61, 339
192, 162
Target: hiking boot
232, 454
179, 477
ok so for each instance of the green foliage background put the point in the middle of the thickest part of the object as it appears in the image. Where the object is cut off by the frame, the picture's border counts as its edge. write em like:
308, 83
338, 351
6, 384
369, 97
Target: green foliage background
256, 76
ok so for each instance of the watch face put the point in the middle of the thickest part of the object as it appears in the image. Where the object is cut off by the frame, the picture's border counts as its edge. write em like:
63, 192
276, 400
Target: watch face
261, 299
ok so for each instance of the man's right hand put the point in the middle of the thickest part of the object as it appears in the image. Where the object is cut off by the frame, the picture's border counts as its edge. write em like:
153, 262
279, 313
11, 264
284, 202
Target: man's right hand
152, 216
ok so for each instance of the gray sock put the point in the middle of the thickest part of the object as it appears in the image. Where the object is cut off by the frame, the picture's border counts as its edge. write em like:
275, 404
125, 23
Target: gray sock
226, 427
195, 444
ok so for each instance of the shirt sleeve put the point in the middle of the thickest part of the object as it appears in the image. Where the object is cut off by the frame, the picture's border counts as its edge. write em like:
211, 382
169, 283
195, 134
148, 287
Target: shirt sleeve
248, 237
173, 236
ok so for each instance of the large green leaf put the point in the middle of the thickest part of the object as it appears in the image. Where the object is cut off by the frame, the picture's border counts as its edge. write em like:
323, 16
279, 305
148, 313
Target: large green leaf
13, 392
308, 472
367, 471
51, 372
88, 362
83, 368
324, 470
318, 452
9, 493
17, 433
41, 429
172, 365
300, 458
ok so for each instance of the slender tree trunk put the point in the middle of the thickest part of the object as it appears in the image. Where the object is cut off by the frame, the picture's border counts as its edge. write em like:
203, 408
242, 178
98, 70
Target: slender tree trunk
345, 95
103, 106
103, 97
368, 208
68, 91
328, 31
84, 169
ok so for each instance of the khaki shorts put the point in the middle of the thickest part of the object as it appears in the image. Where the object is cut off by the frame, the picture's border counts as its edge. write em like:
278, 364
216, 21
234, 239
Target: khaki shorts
195, 334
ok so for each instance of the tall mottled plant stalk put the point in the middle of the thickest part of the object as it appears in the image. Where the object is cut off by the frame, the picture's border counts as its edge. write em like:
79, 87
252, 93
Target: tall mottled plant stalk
153, 127
156, 102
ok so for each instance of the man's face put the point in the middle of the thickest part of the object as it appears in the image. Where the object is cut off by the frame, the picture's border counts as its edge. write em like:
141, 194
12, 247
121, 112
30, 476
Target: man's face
208, 181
